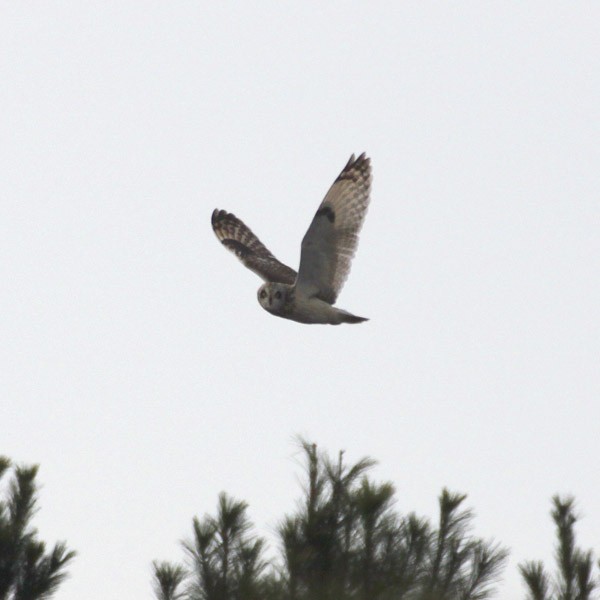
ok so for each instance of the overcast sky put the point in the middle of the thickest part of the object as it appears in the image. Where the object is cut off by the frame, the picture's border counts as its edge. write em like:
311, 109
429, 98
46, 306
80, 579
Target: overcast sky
138, 368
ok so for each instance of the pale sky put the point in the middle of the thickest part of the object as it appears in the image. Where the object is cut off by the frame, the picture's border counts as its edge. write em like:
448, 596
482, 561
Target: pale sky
139, 370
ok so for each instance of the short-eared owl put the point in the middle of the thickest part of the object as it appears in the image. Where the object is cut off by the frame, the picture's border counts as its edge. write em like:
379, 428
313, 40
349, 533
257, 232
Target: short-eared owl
327, 251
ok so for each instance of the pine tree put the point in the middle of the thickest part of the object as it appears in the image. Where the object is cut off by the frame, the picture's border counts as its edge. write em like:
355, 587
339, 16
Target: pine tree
345, 541
227, 560
573, 579
27, 570
168, 580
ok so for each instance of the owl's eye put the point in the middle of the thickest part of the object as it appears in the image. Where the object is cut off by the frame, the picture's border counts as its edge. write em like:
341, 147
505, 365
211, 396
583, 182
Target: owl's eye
278, 295
263, 294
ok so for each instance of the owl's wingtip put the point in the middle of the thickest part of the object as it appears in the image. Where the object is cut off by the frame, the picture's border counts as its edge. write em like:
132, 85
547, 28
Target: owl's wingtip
361, 162
220, 215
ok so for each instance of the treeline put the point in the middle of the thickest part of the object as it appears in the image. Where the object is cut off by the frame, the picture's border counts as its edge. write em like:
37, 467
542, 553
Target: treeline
345, 541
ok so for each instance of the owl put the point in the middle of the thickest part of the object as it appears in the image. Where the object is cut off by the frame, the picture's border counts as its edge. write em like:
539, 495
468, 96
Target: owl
308, 296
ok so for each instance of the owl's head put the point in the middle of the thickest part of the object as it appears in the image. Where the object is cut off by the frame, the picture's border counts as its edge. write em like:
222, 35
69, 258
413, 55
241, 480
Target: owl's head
272, 296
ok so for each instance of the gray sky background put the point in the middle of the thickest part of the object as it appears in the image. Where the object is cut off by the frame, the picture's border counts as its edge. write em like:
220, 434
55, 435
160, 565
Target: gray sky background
138, 368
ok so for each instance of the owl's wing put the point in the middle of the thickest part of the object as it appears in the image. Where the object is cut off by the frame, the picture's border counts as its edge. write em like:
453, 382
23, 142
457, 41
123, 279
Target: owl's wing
238, 238
331, 240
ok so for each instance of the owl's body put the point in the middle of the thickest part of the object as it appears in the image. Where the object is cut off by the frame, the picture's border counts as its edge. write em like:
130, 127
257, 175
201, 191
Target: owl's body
282, 300
327, 251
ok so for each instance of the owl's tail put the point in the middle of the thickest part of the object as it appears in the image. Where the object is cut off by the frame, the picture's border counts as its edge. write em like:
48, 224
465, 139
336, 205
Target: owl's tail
346, 317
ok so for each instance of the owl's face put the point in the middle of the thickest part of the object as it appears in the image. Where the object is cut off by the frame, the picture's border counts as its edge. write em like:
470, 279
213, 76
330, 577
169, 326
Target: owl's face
272, 296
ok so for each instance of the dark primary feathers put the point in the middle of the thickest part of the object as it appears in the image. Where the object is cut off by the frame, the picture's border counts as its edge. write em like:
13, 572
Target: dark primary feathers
239, 239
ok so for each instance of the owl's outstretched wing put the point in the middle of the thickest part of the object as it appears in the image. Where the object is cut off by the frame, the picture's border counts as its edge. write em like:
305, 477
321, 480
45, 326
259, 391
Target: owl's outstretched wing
331, 240
238, 238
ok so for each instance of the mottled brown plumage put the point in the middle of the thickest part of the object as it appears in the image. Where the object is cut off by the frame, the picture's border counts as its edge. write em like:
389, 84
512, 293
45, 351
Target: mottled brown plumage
238, 238
326, 253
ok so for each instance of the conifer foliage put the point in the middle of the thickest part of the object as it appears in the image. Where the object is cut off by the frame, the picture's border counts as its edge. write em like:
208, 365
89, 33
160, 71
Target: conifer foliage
345, 541
27, 570
574, 578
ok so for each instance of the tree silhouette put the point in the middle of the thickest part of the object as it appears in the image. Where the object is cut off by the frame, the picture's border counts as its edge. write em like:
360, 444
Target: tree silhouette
345, 541
226, 558
27, 570
167, 580
573, 579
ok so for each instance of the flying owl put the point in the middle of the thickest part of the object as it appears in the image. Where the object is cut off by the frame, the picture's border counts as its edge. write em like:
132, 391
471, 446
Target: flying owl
327, 250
